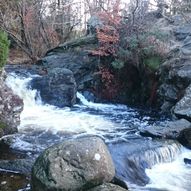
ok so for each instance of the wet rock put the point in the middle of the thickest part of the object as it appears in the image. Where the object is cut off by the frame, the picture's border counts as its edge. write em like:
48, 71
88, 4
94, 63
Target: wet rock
107, 187
73, 165
187, 161
183, 107
168, 129
57, 88
185, 137
11, 107
22, 166
89, 96
118, 181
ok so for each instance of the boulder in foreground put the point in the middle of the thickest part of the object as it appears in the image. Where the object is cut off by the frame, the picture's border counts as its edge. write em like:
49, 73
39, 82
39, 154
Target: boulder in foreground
73, 165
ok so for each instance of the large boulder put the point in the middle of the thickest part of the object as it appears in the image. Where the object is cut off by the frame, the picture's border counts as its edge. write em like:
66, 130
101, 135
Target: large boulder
73, 165
57, 88
80, 63
11, 107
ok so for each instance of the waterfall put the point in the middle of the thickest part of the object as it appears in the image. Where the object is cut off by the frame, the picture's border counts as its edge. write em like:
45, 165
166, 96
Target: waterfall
132, 158
99, 106
172, 176
38, 116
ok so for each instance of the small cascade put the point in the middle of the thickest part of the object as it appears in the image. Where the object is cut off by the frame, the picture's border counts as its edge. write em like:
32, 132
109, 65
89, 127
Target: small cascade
133, 158
43, 120
171, 176
100, 106
20, 86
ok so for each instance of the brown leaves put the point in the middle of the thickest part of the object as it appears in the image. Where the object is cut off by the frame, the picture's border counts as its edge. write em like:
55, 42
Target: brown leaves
108, 35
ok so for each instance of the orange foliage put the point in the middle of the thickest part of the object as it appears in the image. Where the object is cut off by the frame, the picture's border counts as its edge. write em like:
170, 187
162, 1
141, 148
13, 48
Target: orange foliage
108, 35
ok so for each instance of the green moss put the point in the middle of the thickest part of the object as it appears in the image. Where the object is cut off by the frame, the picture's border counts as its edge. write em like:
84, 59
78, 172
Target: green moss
4, 48
2, 125
153, 62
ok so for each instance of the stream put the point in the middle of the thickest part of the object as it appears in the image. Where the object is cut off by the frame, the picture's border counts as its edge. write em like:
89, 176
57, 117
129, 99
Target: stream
143, 163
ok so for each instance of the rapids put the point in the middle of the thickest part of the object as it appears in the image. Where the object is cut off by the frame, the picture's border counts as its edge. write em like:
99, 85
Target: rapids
143, 163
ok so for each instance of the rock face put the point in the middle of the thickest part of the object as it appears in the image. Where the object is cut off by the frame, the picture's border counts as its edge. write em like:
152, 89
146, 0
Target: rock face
57, 88
169, 129
175, 73
11, 107
73, 165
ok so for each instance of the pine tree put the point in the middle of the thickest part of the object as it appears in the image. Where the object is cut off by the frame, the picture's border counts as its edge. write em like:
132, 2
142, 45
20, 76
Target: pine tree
4, 48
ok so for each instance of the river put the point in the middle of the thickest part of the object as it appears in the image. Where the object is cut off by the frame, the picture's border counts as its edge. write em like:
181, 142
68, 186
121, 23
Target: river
143, 163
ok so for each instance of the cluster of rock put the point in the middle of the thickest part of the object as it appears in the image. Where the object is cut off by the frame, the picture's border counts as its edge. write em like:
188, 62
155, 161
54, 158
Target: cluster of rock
11, 107
81, 164
65, 69
175, 84
175, 89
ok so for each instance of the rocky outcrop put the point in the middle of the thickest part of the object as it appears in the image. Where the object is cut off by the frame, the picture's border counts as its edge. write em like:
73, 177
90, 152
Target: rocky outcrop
176, 73
78, 164
11, 107
57, 88
168, 129
74, 56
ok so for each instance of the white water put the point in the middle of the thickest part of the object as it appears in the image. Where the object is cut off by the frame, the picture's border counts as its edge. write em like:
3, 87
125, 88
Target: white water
37, 116
171, 176
42, 124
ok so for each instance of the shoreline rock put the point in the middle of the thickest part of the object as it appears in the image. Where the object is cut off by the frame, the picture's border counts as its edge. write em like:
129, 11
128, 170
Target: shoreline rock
11, 107
167, 130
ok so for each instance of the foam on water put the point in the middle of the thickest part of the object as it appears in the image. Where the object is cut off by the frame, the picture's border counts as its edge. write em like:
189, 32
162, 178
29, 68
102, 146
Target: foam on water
39, 116
171, 176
